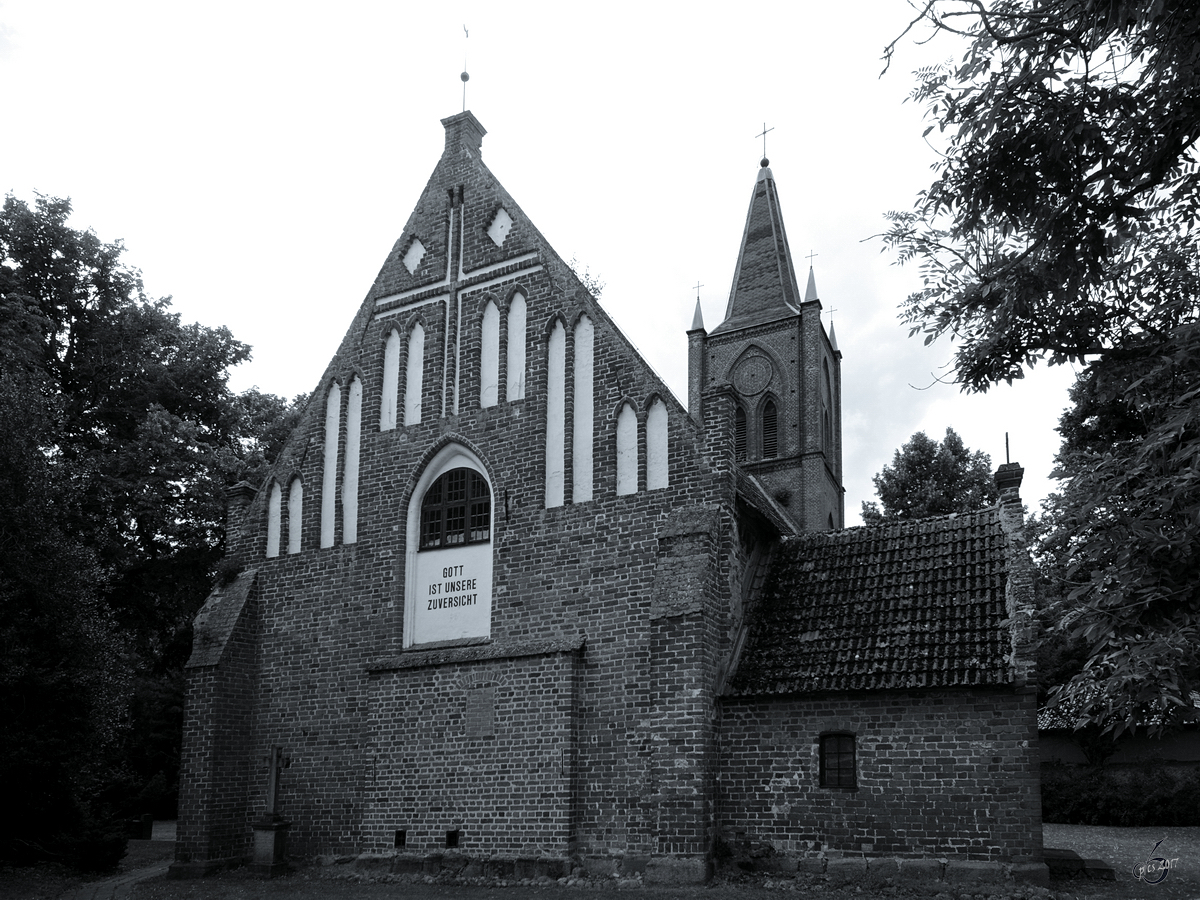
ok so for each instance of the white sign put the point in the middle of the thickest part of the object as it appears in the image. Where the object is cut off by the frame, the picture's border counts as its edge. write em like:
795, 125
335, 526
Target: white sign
452, 594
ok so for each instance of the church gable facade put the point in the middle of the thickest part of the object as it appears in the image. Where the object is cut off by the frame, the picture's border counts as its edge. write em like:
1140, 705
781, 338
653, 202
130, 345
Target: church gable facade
496, 592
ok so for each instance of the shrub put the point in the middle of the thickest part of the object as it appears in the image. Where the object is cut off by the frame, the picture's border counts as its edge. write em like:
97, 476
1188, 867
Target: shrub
1151, 794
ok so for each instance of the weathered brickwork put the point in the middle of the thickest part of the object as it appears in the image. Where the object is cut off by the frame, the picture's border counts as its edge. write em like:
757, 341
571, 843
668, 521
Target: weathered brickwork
577, 722
940, 773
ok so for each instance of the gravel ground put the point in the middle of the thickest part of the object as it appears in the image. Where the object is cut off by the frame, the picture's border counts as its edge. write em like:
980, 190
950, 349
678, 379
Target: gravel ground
1123, 848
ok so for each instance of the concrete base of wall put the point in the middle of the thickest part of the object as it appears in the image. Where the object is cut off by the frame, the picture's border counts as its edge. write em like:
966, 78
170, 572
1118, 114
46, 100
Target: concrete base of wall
675, 870
874, 870
198, 868
459, 865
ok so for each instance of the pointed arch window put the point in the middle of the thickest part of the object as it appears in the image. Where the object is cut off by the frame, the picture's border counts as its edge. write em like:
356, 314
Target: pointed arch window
581, 430
556, 414
657, 469
333, 410
457, 510
770, 430
515, 349
739, 434
274, 504
295, 515
489, 356
414, 375
627, 451
350, 469
826, 411
391, 382
448, 550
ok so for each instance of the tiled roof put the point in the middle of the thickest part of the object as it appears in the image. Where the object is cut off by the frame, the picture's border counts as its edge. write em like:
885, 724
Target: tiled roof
906, 605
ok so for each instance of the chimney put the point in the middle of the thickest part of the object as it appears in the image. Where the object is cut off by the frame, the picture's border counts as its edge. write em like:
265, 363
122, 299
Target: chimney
237, 501
463, 132
1008, 483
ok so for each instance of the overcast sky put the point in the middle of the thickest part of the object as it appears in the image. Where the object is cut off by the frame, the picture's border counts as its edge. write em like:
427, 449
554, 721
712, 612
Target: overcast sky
259, 160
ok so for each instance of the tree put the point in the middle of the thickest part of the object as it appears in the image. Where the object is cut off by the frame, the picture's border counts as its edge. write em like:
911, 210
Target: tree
931, 479
122, 415
63, 669
1061, 226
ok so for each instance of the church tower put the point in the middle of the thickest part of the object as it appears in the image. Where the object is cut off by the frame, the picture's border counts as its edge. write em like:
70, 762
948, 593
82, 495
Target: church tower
783, 369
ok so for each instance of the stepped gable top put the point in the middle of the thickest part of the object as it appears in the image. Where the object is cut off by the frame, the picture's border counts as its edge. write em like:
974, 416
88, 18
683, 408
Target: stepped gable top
905, 605
764, 283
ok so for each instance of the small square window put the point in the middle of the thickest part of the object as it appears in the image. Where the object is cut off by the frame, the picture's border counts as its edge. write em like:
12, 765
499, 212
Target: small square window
837, 761
452, 838
401, 838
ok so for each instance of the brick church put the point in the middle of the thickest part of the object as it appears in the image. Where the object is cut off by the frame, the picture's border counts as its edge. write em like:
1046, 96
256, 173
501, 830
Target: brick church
508, 606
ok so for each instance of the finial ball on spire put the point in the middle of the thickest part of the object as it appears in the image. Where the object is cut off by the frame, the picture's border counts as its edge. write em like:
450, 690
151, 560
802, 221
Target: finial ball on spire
465, 77
765, 162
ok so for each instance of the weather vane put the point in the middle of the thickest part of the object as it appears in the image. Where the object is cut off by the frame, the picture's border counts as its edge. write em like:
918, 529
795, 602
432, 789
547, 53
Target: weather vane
765, 161
465, 77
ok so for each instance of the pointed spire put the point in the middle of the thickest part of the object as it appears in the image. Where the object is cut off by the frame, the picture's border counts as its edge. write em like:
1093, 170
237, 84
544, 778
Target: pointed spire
698, 318
810, 292
833, 338
764, 284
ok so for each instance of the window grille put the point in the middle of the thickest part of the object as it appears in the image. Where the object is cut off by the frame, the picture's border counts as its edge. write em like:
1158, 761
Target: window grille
457, 510
837, 761
770, 431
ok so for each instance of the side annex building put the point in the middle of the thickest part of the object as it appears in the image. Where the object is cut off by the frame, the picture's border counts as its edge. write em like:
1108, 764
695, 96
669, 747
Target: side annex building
505, 603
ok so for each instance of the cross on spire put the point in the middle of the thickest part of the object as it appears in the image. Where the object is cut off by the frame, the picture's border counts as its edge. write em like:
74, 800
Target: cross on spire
763, 135
810, 258
698, 286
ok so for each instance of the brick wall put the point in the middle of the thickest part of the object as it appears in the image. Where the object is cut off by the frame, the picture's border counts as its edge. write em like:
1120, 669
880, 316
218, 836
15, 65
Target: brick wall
350, 718
943, 773
217, 764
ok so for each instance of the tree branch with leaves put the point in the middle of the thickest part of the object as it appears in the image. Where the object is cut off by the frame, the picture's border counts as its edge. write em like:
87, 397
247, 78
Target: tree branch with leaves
1061, 226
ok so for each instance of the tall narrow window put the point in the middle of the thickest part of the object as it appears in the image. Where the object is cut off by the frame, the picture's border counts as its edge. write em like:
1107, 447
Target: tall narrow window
295, 515
515, 348
581, 439
350, 473
657, 475
333, 409
556, 414
739, 434
826, 412
274, 503
627, 451
770, 430
391, 382
837, 761
489, 356
413, 375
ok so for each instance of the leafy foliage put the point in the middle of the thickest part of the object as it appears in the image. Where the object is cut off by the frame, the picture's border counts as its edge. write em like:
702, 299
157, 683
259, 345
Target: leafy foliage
1061, 225
118, 434
1149, 795
931, 479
